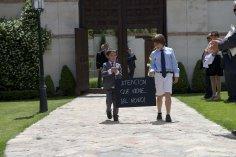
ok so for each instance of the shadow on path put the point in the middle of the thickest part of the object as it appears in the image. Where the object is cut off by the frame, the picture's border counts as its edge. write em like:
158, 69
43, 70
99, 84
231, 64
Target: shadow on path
27, 117
162, 122
229, 136
110, 122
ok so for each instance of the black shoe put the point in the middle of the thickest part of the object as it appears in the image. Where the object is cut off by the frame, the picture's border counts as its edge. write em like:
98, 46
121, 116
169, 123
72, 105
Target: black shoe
234, 132
116, 118
159, 116
168, 118
109, 115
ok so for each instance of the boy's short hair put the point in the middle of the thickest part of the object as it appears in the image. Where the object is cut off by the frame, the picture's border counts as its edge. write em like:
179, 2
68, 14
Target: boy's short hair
108, 52
215, 34
159, 39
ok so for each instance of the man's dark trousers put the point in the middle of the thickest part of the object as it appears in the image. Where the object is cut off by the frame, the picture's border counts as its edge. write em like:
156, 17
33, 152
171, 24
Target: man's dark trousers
208, 89
131, 73
99, 85
230, 75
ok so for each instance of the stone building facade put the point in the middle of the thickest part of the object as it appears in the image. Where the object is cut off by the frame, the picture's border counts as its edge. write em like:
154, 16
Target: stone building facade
188, 23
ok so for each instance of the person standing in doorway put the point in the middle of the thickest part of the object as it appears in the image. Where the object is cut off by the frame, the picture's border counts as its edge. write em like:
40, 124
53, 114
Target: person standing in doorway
131, 63
164, 67
100, 59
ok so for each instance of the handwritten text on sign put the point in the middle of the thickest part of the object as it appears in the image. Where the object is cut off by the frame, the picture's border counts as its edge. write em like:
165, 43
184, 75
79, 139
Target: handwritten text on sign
135, 92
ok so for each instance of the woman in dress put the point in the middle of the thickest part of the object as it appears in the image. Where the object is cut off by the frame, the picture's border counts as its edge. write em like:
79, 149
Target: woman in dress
215, 71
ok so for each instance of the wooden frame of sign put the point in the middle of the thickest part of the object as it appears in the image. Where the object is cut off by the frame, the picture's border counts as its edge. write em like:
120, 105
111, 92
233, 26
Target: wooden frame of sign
137, 92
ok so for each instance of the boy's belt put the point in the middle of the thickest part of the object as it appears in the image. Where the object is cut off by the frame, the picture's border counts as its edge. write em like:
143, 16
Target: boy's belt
166, 72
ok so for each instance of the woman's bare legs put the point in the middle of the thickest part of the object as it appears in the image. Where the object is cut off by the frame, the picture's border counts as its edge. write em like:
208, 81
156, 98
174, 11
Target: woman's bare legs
213, 86
218, 87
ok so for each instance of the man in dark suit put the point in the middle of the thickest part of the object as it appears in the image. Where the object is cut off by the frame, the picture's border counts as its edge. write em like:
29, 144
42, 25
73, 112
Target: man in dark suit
131, 62
229, 62
100, 59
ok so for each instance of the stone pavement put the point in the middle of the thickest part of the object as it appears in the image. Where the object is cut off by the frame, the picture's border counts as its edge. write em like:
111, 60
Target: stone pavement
80, 128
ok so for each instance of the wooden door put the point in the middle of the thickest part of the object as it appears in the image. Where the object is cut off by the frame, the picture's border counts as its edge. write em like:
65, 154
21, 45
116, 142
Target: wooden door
81, 60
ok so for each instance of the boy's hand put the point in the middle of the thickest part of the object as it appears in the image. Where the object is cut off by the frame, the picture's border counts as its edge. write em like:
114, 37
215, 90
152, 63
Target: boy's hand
176, 80
151, 73
114, 70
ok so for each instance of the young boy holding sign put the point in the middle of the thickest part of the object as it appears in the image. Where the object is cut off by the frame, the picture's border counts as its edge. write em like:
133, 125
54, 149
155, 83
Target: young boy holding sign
110, 72
164, 68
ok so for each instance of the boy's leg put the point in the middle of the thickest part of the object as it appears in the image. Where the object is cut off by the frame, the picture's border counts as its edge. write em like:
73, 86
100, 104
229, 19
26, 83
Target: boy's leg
159, 107
159, 103
168, 83
115, 108
108, 103
168, 103
159, 82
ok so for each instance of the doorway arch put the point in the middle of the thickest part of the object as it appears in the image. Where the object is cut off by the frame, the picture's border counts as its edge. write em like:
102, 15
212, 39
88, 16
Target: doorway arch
119, 15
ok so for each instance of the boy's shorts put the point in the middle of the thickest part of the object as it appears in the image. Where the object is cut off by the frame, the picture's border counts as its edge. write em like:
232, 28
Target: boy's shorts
163, 85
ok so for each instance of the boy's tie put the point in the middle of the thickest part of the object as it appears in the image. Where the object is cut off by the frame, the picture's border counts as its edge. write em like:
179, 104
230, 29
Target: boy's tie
163, 63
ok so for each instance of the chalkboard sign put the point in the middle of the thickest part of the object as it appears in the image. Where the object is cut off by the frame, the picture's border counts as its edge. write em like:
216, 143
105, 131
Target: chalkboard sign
137, 92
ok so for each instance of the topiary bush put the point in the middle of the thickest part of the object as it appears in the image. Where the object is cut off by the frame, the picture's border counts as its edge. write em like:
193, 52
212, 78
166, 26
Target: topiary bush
50, 86
183, 85
198, 81
67, 82
19, 63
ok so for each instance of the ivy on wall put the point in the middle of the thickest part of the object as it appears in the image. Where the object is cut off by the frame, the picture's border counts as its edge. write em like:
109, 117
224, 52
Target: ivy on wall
19, 63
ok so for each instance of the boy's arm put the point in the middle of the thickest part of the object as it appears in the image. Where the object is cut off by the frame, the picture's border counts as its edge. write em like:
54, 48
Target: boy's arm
175, 64
105, 71
119, 72
151, 58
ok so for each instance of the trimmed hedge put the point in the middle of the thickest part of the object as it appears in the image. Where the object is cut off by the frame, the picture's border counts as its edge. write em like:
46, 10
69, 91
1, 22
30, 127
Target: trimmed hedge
19, 63
198, 81
183, 85
19, 95
93, 82
50, 86
67, 82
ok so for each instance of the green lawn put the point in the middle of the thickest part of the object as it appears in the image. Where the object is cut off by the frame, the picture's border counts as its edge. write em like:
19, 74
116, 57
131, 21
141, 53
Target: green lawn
219, 112
18, 115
